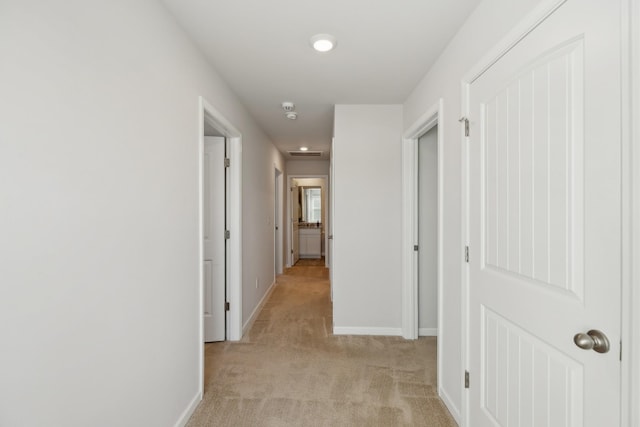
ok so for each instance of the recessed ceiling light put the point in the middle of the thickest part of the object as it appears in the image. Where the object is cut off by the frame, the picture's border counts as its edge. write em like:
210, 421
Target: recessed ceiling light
304, 148
323, 42
291, 115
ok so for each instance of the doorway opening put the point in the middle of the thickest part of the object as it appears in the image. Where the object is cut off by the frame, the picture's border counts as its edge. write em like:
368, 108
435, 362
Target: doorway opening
277, 215
427, 224
307, 219
422, 196
220, 234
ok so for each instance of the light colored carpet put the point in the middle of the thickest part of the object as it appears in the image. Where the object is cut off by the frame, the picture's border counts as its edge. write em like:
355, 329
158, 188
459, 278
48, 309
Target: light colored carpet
289, 370
310, 262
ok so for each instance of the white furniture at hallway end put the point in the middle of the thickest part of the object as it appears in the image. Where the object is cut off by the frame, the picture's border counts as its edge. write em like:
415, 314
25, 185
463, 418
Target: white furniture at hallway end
310, 242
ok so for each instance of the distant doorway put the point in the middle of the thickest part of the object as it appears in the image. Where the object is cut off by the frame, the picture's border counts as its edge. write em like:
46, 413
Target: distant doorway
307, 218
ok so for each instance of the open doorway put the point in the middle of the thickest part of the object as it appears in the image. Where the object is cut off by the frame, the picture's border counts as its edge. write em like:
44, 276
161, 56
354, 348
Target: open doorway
422, 247
307, 217
277, 215
427, 224
220, 249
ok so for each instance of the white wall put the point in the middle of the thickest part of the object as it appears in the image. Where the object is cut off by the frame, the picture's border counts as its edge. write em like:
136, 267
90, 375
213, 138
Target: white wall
99, 220
308, 167
428, 232
367, 224
484, 28
258, 223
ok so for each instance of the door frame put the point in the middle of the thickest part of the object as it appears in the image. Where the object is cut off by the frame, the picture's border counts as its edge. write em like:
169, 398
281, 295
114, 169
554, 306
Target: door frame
206, 112
326, 226
630, 176
278, 250
631, 215
433, 117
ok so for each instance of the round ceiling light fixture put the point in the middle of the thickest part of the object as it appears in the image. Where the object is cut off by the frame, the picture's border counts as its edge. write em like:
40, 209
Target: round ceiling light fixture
323, 42
291, 115
304, 148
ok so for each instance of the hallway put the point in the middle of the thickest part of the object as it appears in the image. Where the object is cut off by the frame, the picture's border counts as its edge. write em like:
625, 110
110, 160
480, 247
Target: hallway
290, 371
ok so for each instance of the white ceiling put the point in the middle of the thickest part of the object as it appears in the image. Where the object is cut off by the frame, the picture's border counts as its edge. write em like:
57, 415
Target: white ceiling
261, 48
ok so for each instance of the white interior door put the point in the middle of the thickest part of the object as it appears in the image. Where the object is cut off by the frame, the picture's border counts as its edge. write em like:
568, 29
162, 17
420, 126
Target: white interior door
544, 224
213, 263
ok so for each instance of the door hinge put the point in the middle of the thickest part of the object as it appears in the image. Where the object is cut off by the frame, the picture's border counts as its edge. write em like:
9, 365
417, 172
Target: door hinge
227, 162
415, 248
466, 254
466, 125
227, 234
466, 379
226, 306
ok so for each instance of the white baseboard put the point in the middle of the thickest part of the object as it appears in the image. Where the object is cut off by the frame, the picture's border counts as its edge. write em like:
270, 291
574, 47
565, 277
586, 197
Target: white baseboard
347, 330
455, 412
428, 332
256, 311
186, 414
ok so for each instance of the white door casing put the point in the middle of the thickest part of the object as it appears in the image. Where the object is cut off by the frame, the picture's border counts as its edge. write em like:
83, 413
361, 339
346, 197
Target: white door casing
277, 215
410, 198
329, 237
544, 209
214, 239
427, 225
295, 226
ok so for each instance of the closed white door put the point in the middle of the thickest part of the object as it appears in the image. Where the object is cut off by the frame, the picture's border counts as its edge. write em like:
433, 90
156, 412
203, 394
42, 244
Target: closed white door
544, 224
214, 239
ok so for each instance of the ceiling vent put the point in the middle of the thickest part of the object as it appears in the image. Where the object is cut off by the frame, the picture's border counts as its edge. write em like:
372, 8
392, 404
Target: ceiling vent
305, 153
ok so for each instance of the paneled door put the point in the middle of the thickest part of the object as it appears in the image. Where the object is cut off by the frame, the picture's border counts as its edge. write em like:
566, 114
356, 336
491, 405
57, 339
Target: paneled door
214, 239
544, 202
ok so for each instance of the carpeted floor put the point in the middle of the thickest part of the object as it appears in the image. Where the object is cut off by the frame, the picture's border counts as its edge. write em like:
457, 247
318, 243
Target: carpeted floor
289, 370
310, 262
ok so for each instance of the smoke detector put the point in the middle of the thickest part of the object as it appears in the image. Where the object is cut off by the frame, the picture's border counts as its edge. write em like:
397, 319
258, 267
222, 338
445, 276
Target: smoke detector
288, 106
291, 115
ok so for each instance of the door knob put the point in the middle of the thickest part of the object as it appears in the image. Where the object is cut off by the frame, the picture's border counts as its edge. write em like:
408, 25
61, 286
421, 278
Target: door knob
593, 340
